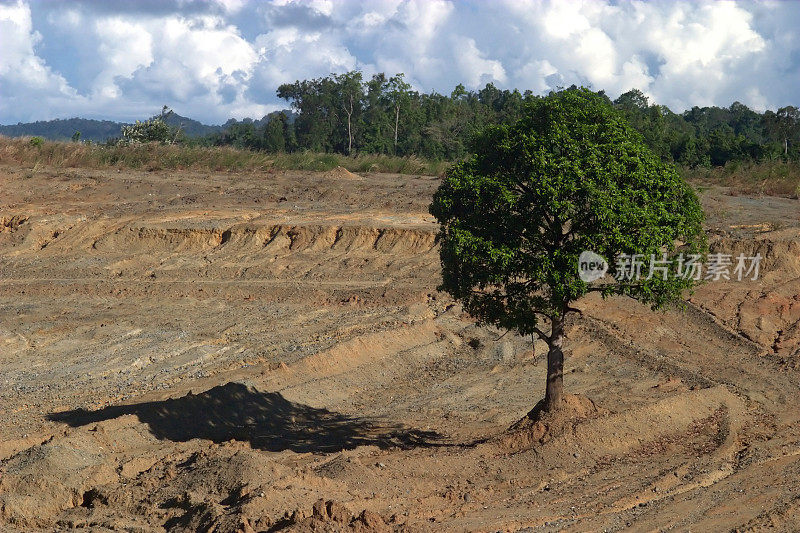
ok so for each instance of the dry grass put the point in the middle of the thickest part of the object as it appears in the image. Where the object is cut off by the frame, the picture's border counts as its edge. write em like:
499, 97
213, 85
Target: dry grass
771, 178
21, 151
778, 178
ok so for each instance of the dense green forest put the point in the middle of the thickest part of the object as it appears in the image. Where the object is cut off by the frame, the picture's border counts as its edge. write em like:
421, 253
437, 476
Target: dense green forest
346, 114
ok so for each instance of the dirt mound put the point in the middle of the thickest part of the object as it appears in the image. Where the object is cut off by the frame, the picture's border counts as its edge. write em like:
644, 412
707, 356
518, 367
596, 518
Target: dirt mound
43, 480
540, 426
595, 432
341, 173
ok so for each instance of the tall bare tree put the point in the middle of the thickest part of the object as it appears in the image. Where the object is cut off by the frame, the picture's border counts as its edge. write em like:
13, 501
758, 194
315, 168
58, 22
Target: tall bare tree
351, 94
399, 96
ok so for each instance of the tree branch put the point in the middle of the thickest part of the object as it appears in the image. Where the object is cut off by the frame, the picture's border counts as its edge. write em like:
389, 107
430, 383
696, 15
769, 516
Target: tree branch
541, 335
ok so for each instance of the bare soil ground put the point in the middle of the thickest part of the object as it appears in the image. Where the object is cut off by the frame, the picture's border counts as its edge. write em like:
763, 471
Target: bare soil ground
261, 352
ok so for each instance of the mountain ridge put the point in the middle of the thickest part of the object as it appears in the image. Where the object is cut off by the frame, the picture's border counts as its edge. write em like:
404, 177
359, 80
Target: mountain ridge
95, 130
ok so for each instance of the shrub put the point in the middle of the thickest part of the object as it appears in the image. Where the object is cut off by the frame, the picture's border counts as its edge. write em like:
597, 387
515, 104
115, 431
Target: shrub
153, 130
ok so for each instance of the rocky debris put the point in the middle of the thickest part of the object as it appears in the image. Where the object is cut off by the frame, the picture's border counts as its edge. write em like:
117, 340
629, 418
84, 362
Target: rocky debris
334, 516
11, 223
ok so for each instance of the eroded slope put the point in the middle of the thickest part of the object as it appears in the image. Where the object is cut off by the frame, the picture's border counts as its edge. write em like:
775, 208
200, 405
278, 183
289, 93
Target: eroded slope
190, 351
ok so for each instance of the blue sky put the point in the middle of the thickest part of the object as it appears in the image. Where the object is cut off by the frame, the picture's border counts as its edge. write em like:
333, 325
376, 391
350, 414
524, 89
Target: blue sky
214, 60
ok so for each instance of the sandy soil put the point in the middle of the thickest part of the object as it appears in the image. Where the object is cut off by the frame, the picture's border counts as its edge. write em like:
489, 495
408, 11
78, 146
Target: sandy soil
259, 352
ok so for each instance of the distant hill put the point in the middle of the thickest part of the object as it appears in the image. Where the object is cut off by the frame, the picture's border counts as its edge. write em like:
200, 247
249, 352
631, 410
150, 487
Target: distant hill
63, 129
102, 130
97, 130
191, 127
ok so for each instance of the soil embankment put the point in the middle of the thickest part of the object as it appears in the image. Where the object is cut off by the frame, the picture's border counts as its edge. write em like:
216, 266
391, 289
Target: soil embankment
258, 352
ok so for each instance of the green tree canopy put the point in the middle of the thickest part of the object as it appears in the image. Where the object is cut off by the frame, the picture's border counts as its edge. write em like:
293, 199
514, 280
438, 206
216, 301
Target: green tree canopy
276, 133
783, 126
152, 130
571, 175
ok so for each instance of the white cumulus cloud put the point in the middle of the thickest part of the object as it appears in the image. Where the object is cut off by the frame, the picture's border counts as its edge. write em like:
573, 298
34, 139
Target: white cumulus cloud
214, 60
27, 84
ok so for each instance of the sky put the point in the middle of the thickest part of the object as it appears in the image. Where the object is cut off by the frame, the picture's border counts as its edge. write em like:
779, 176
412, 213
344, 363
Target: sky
215, 60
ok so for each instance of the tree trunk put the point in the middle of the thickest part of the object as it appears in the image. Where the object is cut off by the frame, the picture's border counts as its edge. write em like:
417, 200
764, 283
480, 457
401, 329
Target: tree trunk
555, 366
349, 113
396, 122
349, 135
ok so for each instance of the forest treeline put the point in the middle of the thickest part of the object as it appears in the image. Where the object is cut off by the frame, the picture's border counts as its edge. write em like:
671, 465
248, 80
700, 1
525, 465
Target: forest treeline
346, 114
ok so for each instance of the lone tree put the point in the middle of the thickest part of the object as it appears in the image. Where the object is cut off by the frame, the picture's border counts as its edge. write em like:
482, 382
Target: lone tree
154, 129
569, 176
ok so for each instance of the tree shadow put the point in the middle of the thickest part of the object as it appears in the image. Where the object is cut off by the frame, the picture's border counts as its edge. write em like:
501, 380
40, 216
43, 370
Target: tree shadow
266, 420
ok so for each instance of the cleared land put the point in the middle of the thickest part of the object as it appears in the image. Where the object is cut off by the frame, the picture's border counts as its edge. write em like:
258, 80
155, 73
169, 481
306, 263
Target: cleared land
181, 350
